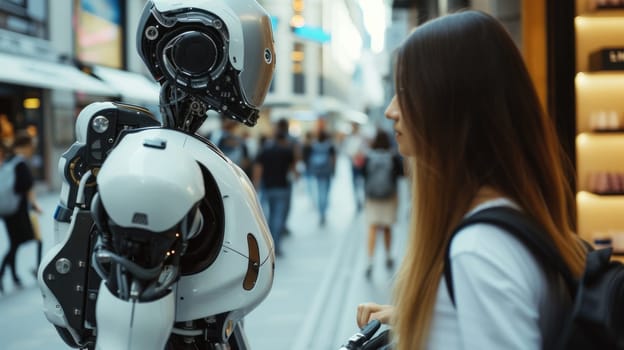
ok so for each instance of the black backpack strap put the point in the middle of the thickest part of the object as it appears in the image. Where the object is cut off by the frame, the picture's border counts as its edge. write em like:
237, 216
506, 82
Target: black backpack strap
520, 226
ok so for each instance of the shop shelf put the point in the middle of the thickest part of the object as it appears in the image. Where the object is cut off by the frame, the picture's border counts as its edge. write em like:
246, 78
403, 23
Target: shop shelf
599, 215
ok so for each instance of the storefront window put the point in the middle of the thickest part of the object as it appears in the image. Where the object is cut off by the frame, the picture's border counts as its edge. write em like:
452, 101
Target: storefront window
25, 17
21, 112
99, 32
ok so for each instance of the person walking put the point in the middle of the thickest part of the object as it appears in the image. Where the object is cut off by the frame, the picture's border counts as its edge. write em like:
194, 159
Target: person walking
232, 144
306, 149
381, 170
19, 226
270, 175
475, 134
322, 163
355, 147
283, 127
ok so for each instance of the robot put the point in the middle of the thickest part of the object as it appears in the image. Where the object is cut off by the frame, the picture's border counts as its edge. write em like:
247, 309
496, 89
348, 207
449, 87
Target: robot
161, 242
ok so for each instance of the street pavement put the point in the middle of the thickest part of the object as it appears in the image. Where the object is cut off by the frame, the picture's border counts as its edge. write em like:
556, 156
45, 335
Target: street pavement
318, 282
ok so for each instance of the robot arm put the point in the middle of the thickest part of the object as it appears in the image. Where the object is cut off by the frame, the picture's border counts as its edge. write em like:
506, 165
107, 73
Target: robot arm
68, 285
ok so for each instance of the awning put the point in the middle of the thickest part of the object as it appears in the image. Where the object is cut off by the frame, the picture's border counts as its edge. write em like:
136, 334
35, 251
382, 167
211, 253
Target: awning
27, 71
132, 87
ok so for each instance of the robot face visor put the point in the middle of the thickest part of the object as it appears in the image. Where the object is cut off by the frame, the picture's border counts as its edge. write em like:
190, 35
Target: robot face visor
193, 51
219, 53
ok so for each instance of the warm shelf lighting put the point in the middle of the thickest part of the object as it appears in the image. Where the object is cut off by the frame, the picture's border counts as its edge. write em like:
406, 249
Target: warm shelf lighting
32, 103
297, 21
583, 196
600, 79
582, 139
297, 56
298, 5
597, 22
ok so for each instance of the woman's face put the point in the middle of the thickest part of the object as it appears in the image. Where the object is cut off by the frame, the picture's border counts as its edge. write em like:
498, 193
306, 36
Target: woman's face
404, 140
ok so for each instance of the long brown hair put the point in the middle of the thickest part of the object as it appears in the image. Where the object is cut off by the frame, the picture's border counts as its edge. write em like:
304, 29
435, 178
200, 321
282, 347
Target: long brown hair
468, 102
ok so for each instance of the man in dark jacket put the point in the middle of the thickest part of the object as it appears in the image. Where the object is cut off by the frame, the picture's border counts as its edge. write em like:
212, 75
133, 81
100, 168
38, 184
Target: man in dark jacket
273, 164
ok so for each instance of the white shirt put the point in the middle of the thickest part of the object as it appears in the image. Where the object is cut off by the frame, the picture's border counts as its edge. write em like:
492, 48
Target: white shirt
501, 293
354, 144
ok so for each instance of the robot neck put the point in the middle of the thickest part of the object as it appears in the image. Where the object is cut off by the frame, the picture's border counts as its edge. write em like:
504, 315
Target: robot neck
181, 109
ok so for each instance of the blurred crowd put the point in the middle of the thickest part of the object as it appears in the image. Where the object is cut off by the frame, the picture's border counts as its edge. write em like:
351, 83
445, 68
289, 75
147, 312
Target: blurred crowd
277, 160
274, 161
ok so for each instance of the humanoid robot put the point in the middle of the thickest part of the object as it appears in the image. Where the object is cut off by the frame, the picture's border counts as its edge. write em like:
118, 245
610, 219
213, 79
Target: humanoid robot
161, 242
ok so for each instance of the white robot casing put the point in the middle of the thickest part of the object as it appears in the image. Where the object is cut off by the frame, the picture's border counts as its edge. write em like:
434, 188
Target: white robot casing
218, 288
106, 271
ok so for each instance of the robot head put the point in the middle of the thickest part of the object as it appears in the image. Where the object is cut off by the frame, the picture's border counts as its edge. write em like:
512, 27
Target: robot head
207, 54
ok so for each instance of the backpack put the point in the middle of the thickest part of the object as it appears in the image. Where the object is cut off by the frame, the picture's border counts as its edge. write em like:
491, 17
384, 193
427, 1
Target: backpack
9, 199
379, 182
320, 162
596, 316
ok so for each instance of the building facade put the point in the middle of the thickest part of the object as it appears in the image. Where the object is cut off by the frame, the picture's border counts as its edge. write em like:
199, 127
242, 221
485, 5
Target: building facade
329, 65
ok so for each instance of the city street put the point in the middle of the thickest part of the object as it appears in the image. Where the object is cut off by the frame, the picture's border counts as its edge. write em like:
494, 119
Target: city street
318, 282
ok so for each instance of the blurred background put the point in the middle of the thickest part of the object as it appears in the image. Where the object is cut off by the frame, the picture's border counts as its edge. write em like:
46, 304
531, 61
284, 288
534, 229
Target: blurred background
333, 74
334, 63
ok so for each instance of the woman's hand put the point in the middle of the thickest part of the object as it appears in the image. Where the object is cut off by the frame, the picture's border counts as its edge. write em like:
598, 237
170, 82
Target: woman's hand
371, 311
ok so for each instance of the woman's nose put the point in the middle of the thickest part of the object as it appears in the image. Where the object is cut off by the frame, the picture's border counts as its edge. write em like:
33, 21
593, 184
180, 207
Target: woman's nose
392, 110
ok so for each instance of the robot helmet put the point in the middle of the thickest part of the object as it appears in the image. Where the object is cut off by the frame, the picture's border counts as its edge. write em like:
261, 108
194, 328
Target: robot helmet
218, 53
141, 177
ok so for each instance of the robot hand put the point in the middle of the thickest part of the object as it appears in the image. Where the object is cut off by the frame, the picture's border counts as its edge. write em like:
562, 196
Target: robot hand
156, 219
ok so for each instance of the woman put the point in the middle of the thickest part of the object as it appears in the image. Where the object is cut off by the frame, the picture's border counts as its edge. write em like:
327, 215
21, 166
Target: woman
381, 170
467, 117
19, 226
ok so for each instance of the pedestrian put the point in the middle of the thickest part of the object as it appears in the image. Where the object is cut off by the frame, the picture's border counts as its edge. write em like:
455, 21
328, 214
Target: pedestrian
271, 168
252, 144
356, 147
19, 226
292, 142
231, 144
306, 149
381, 170
468, 119
322, 163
